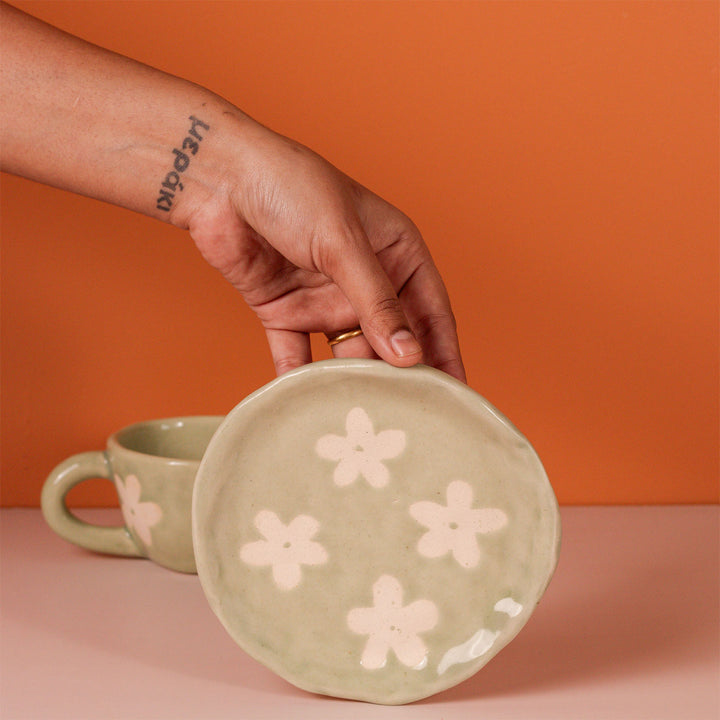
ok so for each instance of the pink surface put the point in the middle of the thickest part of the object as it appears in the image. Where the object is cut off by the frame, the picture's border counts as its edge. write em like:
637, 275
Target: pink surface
629, 628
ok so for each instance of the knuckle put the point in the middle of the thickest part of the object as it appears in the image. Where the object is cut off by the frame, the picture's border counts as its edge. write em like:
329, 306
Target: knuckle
386, 306
430, 324
285, 364
332, 244
407, 231
385, 315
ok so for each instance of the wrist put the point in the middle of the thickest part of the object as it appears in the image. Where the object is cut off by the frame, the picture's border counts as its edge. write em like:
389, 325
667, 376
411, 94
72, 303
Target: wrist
205, 162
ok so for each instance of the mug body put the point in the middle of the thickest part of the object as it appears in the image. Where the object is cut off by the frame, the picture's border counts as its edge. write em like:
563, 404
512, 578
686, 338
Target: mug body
153, 465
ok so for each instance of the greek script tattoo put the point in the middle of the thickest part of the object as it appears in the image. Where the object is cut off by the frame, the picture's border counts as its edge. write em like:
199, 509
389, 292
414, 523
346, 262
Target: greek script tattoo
171, 183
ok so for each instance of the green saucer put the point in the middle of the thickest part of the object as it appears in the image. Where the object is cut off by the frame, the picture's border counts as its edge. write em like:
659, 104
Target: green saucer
372, 533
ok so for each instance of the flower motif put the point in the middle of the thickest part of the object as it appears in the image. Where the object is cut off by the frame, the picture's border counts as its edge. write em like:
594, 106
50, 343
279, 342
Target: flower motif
361, 451
453, 527
286, 547
392, 626
139, 516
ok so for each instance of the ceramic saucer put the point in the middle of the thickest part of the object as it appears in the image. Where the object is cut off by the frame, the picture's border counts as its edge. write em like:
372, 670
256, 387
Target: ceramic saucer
370, 532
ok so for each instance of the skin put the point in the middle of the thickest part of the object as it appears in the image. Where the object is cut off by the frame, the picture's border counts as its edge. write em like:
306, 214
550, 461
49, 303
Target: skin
308, 248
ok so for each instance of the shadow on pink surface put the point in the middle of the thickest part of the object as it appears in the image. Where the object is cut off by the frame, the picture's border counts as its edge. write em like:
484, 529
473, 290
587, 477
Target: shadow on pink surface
628, 598
637, 599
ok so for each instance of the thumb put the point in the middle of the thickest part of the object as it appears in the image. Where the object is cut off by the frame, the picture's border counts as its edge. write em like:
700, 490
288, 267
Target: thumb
356, 270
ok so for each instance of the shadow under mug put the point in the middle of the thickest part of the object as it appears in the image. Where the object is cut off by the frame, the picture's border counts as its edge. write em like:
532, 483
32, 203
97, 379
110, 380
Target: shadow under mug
153, 465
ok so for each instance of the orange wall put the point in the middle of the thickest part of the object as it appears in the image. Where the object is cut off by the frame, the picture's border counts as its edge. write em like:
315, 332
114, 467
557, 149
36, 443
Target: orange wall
560, 158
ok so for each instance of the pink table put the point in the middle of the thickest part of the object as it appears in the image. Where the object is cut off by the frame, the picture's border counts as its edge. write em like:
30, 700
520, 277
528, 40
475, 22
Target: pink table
629, 629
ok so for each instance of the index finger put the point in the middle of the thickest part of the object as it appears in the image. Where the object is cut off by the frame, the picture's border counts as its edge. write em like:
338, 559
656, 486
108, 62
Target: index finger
354, 267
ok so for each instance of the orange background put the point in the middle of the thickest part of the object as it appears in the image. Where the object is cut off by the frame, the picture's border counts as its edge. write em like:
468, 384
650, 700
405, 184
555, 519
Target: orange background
561, 160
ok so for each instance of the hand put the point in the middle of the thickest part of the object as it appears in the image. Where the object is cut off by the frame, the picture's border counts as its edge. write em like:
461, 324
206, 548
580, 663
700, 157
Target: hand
311, 250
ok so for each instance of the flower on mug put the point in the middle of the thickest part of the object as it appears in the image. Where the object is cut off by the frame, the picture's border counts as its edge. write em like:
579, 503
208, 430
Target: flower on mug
453, 527
139, 516
286, 547
392, 626
361, 451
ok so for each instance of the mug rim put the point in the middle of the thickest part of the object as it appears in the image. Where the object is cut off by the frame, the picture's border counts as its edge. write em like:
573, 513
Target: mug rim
114, 441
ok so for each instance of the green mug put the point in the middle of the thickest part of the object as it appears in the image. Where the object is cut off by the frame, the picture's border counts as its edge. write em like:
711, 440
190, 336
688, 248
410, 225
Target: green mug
153, 465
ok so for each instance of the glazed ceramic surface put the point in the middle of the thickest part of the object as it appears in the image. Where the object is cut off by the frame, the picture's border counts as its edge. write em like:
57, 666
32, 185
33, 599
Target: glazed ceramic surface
372, 533
153, 465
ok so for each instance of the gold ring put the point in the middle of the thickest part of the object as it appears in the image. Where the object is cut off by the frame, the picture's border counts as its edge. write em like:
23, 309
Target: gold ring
345, 335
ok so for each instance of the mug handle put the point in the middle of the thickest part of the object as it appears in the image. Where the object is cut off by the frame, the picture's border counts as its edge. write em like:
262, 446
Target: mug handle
71, 472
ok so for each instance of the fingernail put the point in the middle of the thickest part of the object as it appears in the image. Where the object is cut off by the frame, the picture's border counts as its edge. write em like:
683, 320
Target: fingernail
404, 343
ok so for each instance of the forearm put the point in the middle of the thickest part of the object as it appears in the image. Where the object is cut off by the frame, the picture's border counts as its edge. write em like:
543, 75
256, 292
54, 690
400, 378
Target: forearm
309, 249
85, 119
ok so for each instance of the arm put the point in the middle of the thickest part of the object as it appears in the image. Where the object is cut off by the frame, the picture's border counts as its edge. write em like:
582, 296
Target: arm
309, 249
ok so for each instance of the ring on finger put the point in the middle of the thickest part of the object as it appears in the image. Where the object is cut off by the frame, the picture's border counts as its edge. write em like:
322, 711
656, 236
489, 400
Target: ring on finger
336, 338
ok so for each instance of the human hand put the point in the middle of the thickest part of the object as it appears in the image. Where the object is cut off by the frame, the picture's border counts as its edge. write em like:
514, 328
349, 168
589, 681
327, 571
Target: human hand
311, 250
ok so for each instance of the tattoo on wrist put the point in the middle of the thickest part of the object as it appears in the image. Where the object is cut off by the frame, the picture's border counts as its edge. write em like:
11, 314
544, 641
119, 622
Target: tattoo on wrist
171, 184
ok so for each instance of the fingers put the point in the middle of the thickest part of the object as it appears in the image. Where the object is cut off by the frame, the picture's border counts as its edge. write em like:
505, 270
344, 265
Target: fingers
289, 349
427, 305
358, 273
424, 299
385, 320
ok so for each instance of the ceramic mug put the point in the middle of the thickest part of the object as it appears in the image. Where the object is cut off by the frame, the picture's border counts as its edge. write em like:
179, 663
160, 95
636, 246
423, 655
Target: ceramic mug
153, 465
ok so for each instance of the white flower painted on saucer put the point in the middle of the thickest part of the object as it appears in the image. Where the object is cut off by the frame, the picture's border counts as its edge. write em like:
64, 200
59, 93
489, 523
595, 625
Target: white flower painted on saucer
361, 451
285, 548
391, 626
453, 527
139, 516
